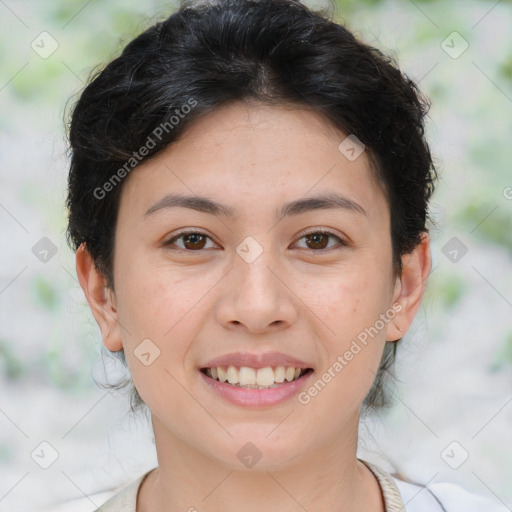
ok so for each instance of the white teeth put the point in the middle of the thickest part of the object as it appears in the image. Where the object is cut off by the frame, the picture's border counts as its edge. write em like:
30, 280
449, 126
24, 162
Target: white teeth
280, 374
252, 378
222, 374
232, 375
265, 376
247, 376
290, 373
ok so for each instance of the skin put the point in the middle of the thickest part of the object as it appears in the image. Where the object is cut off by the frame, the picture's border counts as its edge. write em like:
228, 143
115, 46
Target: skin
296, 297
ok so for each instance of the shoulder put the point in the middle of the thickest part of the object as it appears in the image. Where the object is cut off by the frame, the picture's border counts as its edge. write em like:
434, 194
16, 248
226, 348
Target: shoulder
120, 499
446, 497
125, 500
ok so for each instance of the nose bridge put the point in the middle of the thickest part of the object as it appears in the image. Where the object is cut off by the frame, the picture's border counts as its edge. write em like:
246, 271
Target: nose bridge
256, 295
253, 271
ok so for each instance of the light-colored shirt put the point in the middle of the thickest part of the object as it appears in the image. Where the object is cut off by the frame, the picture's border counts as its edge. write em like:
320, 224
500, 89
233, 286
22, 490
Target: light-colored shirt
399, 496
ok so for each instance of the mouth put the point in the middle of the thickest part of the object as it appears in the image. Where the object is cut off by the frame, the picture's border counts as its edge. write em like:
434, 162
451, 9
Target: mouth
268, 377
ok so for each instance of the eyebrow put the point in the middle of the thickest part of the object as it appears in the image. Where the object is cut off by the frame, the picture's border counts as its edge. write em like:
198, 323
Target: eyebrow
205, 205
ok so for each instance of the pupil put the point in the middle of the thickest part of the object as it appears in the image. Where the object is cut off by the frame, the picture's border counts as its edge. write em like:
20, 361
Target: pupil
315, 236
194, 237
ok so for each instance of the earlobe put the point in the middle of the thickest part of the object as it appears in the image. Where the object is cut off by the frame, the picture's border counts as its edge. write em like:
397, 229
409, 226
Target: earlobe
409, 288
100, 297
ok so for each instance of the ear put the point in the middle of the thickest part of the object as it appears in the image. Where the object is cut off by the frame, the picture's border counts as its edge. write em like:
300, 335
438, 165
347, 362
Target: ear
409, 288
101, 299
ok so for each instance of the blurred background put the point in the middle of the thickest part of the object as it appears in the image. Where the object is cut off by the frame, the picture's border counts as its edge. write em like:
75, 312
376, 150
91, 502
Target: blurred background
62, 436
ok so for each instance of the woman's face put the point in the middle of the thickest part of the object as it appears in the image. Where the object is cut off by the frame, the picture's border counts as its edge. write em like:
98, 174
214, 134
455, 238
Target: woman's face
255, 283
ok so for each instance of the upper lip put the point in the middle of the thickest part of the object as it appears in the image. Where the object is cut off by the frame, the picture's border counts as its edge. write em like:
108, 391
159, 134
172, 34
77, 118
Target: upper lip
255, 360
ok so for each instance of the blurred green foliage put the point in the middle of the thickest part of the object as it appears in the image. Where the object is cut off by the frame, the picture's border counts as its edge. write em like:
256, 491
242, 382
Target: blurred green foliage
450, 290
45, 293
506, 68
495, 227
503, 356
6, 452
12, 365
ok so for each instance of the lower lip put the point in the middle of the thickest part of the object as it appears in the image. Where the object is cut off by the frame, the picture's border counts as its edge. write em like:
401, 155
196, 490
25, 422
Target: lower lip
256, 397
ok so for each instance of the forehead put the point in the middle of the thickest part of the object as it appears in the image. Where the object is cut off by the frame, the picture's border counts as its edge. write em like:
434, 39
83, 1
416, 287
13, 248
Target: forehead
246, 154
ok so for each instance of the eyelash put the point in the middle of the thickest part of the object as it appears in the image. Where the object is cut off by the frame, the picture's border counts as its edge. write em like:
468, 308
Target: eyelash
170, 242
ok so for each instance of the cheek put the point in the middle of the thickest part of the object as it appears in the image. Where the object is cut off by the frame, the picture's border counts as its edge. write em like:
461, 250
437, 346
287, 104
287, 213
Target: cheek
355, 297
152, 298
158, 315
153, 308
352, 307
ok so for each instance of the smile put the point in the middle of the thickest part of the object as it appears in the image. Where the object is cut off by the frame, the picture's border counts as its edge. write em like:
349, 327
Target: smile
255, 378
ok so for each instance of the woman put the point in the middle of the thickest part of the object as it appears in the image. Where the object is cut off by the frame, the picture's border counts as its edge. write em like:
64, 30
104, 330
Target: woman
248, 199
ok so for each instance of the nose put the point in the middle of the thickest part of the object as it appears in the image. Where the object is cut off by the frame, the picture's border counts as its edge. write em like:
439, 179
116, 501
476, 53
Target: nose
257, 297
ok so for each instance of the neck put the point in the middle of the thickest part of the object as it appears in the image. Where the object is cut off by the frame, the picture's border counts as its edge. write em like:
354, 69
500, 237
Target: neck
329, 479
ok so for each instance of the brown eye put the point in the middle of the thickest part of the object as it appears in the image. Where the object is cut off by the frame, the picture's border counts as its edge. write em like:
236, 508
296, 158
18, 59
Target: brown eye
192, 241
319, 240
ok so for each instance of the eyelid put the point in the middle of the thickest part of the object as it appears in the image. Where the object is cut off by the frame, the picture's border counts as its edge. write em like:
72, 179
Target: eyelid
187, 231
318, 230
343, 241
325, 231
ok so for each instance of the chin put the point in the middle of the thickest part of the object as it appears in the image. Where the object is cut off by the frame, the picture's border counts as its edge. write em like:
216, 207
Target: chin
259, 453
